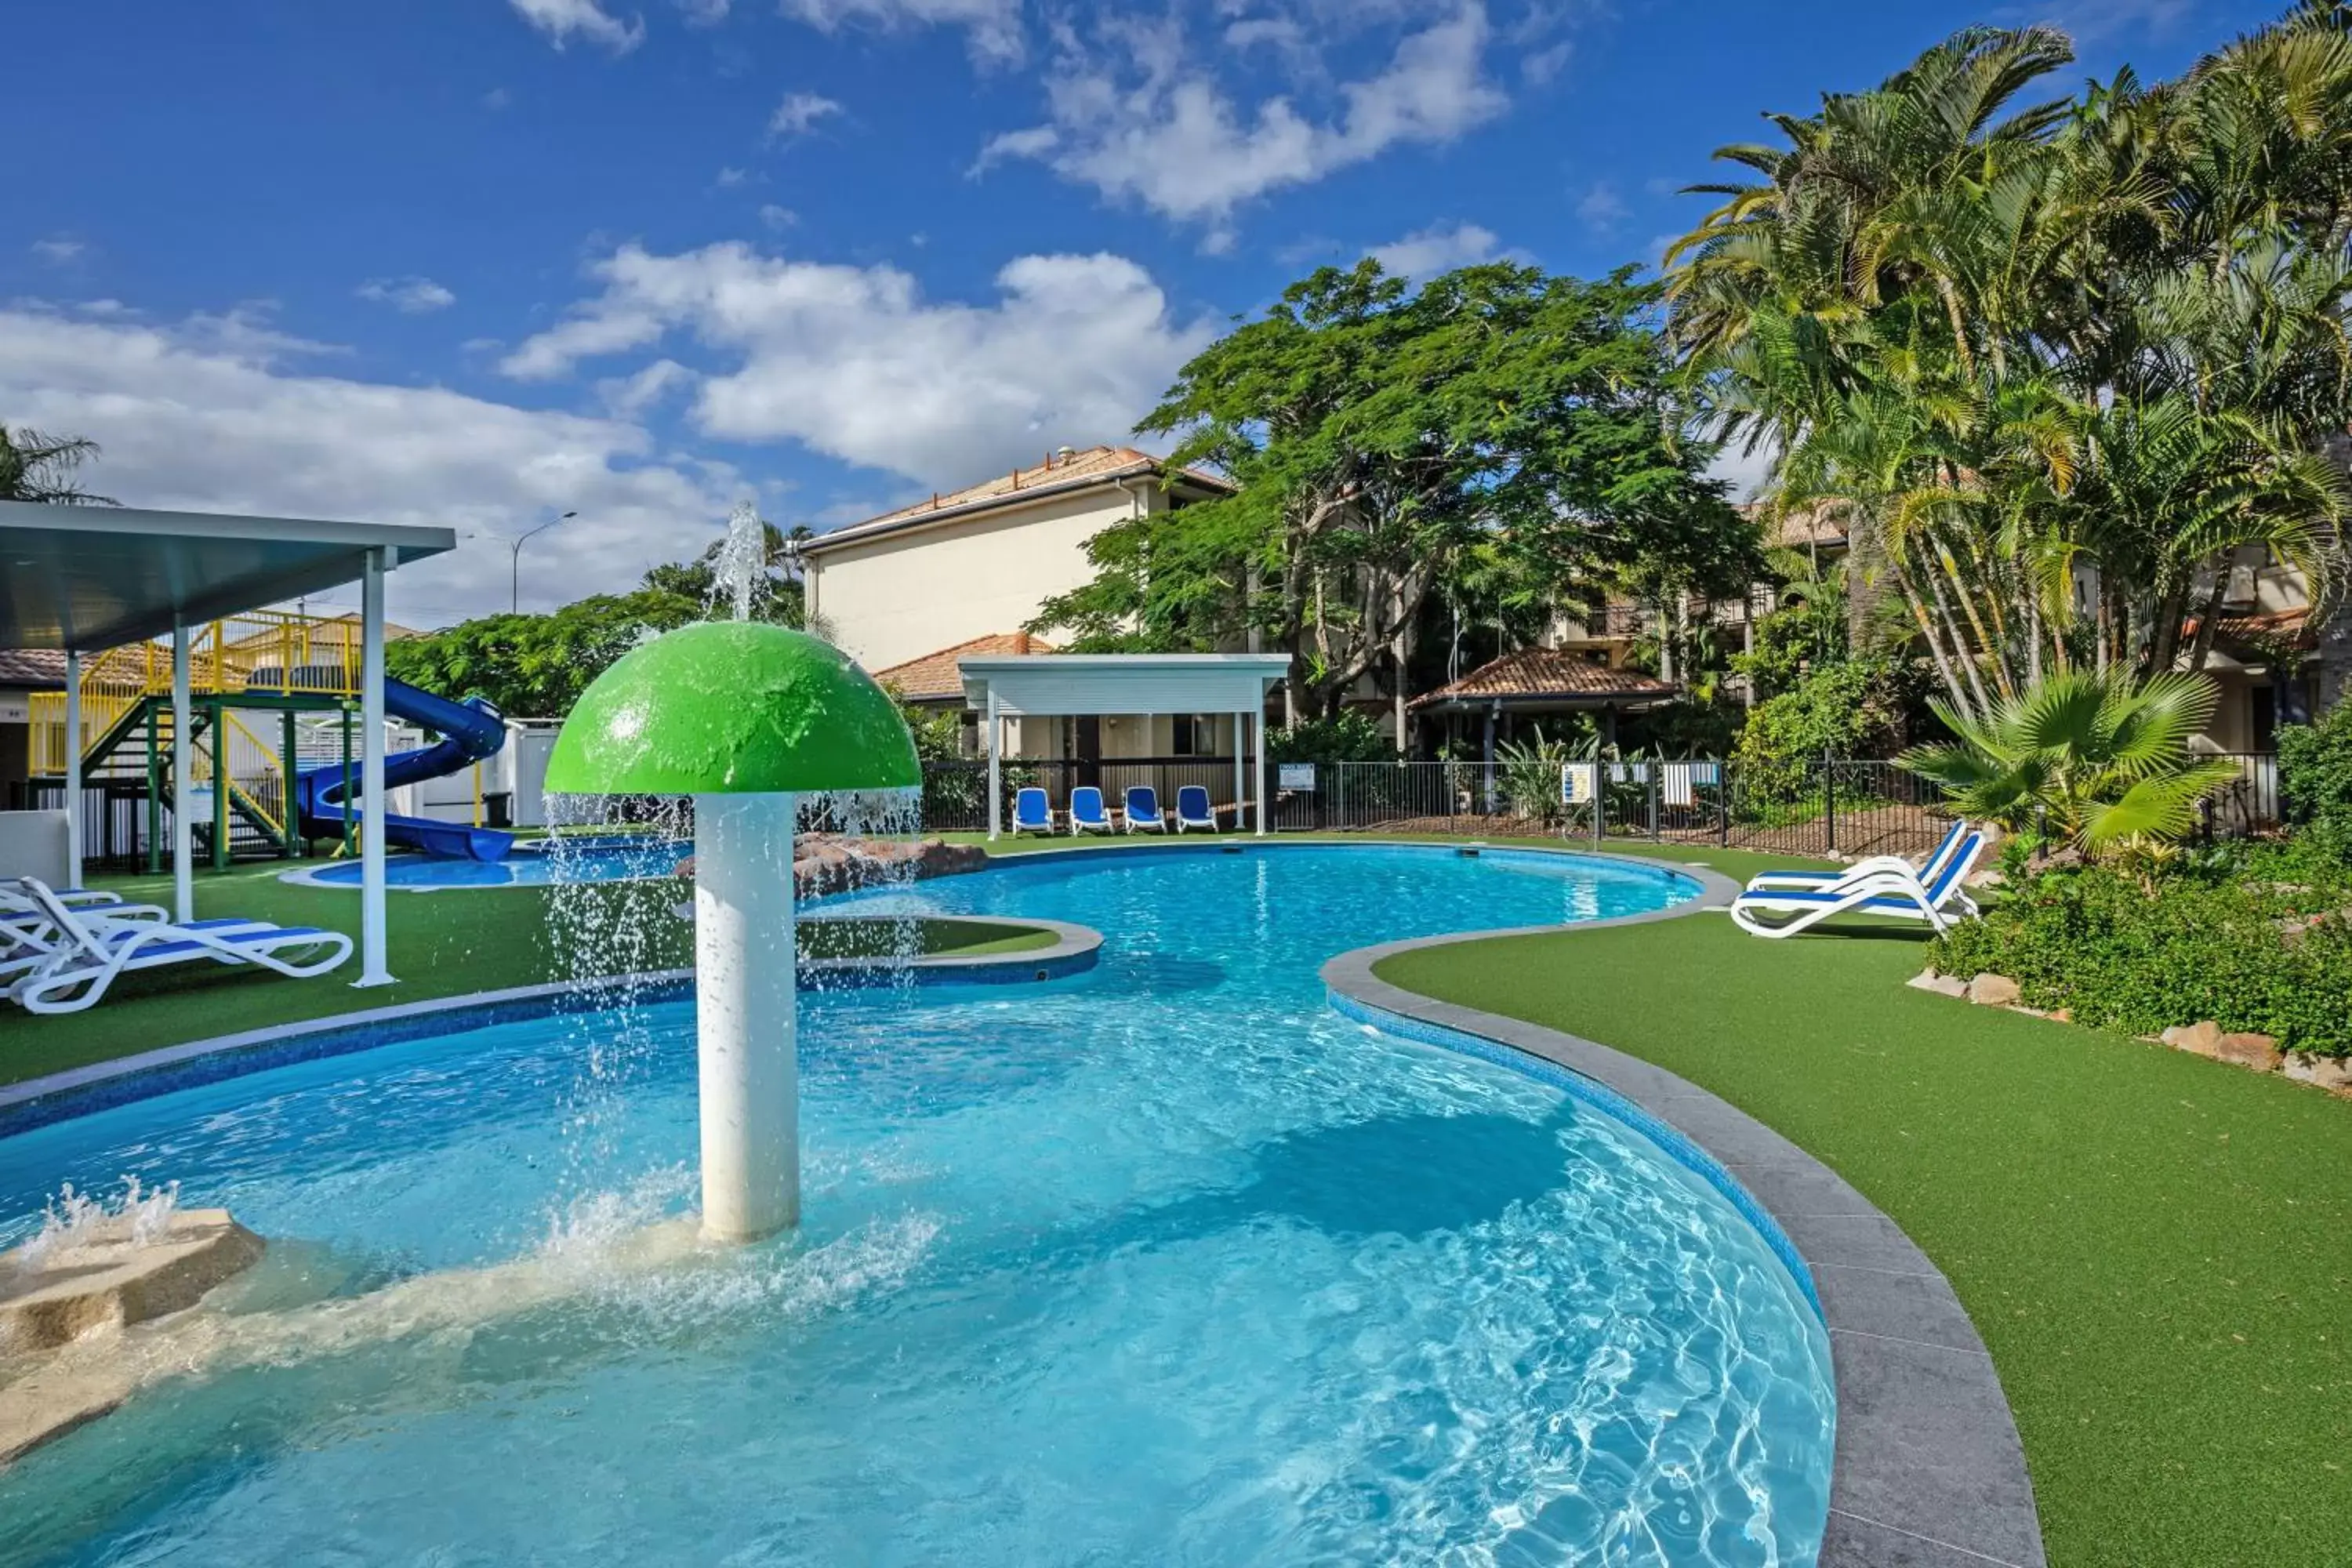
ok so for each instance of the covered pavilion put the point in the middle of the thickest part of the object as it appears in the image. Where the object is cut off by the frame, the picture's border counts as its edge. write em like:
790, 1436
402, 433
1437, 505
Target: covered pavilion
1003, 686
85, 579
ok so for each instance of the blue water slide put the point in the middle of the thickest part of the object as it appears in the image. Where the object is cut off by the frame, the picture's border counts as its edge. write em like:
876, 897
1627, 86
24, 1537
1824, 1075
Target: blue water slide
470, 731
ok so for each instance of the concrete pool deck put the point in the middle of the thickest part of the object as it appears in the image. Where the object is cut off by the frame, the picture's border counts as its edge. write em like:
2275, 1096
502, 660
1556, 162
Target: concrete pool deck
1928, 1471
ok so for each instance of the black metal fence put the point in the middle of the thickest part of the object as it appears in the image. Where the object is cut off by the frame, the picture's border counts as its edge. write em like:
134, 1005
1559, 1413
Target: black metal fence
1823, 807
1818, 806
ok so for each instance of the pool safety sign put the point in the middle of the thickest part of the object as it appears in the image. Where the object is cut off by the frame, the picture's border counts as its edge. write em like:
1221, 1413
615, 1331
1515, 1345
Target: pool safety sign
1295, 775
1577, 784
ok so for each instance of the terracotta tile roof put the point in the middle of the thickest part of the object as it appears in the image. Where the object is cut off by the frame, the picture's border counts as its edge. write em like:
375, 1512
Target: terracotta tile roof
1078, 470
1816, 524
43, 666
2292, 626
934, 676
1560, 675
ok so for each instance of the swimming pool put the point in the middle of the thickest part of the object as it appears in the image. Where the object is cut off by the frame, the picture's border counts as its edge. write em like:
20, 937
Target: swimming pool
1166, 1263
601, 859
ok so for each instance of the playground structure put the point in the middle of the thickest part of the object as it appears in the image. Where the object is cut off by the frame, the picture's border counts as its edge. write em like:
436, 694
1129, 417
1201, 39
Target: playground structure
274, 741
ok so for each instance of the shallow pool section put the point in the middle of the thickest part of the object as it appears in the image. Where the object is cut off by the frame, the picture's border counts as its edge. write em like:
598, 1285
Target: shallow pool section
1168, 1263
619, 857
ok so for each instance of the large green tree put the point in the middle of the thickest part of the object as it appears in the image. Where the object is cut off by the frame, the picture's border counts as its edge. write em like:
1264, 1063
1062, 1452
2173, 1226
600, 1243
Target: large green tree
1498, 440
2055, 361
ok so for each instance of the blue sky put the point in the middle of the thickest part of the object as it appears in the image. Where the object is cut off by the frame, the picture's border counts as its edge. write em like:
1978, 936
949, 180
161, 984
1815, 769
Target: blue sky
473, 262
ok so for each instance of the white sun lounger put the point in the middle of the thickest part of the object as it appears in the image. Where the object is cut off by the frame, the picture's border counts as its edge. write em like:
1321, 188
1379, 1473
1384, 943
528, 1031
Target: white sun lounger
1779, 912
1143, 814
1927, 872
90, 948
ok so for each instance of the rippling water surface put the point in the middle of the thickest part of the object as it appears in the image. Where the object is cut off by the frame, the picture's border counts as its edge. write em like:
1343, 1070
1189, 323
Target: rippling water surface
1166, 1264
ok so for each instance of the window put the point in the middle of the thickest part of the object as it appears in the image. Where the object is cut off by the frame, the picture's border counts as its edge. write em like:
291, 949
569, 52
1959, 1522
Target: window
1195, 735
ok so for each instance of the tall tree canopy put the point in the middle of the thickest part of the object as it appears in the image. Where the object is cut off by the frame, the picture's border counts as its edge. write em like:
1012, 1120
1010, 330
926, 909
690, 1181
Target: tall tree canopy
1497, 435
2054, 361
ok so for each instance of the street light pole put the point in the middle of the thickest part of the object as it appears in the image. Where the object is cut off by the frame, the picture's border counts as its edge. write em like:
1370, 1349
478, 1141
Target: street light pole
514, 564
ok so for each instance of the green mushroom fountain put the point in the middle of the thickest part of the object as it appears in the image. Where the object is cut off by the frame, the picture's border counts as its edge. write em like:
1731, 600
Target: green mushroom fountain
742, 716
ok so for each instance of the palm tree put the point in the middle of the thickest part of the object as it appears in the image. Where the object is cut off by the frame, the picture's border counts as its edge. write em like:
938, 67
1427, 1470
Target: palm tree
39, 467
2094, 760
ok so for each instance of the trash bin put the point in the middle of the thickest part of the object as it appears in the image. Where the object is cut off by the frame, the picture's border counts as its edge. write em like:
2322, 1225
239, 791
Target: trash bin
499, 806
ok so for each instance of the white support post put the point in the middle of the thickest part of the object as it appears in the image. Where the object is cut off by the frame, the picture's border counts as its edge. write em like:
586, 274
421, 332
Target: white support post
373, 969
1257, 761
184, 851
73, 768
1241, 742
995, 769
747, 1053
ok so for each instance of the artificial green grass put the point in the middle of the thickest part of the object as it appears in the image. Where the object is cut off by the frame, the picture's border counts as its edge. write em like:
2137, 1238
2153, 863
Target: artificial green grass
874, 937
439, 944
2156, 1248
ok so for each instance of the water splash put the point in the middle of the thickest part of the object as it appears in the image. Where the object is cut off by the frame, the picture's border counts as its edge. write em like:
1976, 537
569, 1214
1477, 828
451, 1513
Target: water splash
740, 572
72, 1221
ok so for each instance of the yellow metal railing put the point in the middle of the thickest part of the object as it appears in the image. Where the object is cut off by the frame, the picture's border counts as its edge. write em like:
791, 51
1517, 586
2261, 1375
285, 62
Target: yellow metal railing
263, 651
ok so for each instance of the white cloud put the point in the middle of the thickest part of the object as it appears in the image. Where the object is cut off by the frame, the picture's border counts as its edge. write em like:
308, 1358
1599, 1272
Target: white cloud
1432, 250
1600, 207
409, 296
59, 249
730, 177
561, 20
854, 363
220, 413
799, 112
1135, 114
993, 27
629, 396
498, 98
704, 12
778, 218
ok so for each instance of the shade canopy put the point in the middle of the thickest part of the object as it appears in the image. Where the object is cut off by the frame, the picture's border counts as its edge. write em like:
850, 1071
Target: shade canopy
733, 708
1071, 683
89, 578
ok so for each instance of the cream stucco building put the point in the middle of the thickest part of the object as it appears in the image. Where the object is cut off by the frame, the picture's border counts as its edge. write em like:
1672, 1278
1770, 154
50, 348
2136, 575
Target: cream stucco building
981, 562
911, 591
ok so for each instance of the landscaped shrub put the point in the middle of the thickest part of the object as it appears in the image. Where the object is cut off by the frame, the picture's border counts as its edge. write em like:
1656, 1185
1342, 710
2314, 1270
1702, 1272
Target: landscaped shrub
1852, 708
1349, 737
2230, 944
2315, 779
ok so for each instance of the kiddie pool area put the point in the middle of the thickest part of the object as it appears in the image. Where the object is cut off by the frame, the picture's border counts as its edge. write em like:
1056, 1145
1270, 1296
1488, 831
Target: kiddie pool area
533, 862
1169, 1261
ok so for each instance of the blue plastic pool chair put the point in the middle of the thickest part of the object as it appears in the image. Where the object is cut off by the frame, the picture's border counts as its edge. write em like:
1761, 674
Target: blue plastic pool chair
1031, 814
1143, 810
1088, 812
1940, 904
1193, 810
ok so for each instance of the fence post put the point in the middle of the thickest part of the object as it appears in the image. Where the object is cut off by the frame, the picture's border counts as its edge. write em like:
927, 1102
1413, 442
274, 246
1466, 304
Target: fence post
1723, 802
1829, 797
1654, 770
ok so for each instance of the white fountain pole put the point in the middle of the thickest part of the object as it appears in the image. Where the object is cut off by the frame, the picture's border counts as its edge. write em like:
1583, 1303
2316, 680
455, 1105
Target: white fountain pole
743, 959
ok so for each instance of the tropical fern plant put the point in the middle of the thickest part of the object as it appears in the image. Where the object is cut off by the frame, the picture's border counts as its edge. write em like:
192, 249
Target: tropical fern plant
2097, 761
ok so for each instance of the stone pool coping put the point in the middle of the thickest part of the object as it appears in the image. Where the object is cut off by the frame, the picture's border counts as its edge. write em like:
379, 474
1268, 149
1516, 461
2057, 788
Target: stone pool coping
102, 1086
1928, 1471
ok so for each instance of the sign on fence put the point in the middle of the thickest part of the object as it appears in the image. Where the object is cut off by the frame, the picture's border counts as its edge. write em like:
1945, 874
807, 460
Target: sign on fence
1295, 775
1579, 783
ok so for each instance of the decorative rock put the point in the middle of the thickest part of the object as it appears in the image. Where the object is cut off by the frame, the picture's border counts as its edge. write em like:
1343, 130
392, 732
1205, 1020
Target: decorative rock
2324, 1072
111, 1280
1993, 991
2259, 1052
2198, 1040
1941, 984
2063, 1015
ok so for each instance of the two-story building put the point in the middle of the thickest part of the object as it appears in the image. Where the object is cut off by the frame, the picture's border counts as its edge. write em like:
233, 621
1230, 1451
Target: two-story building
911, 591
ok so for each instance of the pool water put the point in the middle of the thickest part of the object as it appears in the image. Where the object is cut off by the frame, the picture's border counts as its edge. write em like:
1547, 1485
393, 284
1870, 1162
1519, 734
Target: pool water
528, 864
1168, 1263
